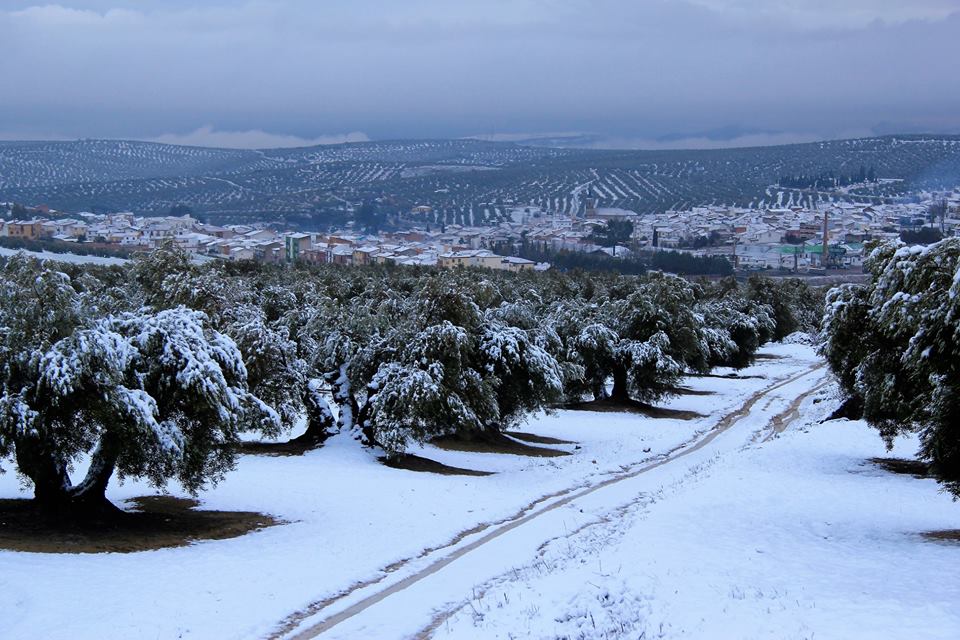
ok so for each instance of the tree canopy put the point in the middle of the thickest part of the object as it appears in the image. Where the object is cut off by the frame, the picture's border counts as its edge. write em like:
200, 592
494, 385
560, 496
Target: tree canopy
894, 344
154, 369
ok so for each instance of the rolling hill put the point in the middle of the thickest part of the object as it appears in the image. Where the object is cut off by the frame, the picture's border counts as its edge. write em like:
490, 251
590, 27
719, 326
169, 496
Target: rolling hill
463, 181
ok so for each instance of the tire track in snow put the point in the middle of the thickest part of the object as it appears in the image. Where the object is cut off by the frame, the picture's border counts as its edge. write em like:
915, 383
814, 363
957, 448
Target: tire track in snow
777, 425
290, 626
780, 422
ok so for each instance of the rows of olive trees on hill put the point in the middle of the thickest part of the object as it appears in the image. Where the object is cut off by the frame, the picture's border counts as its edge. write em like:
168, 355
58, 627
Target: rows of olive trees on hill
154, 370
463, 181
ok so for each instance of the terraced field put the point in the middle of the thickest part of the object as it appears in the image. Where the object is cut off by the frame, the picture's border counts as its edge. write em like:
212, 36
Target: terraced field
463, 181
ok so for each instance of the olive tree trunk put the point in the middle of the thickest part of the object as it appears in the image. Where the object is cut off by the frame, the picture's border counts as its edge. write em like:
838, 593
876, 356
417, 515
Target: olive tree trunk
52, 490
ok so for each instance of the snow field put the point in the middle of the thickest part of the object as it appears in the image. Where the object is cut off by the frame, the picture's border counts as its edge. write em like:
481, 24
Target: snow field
799, 537
349, 518
72, 258
409, 612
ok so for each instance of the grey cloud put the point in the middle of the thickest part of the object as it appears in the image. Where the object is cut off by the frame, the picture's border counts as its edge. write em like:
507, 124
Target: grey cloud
626, 69
207, 136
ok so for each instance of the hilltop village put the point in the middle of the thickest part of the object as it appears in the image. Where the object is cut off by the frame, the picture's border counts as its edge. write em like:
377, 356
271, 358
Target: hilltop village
788, 238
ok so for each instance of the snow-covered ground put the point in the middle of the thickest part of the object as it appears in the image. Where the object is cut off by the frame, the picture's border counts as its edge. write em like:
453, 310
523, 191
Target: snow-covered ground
732, 532
799, 537
73, 258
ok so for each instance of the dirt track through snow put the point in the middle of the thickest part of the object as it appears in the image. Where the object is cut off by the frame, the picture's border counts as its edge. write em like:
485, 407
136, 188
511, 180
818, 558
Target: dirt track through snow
293, 627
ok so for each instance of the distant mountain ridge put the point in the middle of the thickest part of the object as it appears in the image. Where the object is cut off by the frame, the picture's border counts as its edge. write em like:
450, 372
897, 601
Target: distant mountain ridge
464, 181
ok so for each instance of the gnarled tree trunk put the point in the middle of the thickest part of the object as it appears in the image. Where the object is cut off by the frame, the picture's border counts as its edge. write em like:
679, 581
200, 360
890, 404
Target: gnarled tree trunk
90, 494
51, 483
52, 489
343, 397
363, 429
620, 391
598, 386
320, 421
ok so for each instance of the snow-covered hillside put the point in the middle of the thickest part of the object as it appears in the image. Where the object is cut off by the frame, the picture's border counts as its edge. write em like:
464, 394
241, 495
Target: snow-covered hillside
463, 181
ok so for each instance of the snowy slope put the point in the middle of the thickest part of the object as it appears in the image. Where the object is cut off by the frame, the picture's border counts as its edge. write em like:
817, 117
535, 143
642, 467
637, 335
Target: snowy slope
339, 502
797, 538
354, 520
459, 179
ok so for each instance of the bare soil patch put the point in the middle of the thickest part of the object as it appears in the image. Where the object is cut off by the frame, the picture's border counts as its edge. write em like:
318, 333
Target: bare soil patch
157, 522
290, 448
687, 391
537, 439
949, 535
768, 356
495, 443
610, 405
410, 462
726, 376
851, 409
915, 468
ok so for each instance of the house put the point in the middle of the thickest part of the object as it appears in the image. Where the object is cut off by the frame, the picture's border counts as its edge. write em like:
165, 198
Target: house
611, 213
68, 227
384, 257
271, 251
49, 229
483, 259
471, 258
25, 229
410, 236
765, 236
364, 255
218, 232
511, 263
261, 235
315, 254
340, 254
338, 239
155, 232
191, 242
241, 253
295, 244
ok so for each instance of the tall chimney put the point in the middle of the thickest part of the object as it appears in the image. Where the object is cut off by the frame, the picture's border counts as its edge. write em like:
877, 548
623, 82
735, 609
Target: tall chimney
825, 256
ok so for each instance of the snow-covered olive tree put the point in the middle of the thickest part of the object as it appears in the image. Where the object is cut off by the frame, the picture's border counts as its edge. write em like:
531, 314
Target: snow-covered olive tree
429, 388
253, 314
158, 395
733, 328
422, 379
526, 377
275, 372
658, 338
796, 306
894, 344
594, 347
391, 355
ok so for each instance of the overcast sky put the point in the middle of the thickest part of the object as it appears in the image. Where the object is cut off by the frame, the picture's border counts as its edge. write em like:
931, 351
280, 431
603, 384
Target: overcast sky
635, 72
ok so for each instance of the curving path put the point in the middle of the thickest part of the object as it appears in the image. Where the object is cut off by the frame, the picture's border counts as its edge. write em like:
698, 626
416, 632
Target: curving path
345, 615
